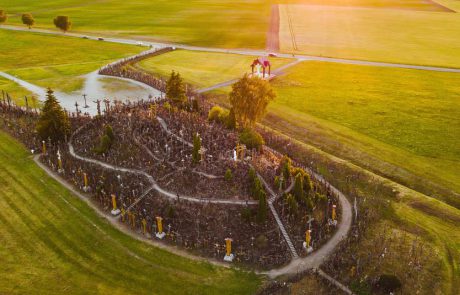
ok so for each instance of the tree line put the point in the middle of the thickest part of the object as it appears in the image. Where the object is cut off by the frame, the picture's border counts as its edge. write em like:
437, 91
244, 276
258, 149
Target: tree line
61, 22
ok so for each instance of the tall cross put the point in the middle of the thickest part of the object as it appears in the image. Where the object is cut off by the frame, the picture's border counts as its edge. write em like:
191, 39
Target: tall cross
84, 97
76, 108
98, 102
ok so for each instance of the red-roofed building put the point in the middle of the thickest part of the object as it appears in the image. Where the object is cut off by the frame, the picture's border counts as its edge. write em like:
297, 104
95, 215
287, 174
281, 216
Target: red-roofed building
261, 63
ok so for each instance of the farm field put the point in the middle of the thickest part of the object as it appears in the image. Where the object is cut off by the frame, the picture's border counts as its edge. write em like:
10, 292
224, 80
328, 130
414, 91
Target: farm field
221, 23
388, 35
53, 242
203, 69
55, 61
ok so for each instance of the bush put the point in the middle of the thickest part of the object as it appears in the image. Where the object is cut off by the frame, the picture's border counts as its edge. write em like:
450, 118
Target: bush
252, 174
104, 145
215, 113
262, 210
261, 242
230, 122
285, 167
277, 182
388, 283
246, 214
251, 139
228, 175
293, 206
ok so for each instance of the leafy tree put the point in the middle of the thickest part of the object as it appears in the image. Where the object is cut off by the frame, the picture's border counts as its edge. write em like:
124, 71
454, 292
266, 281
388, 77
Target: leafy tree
285, 167
175, 89
228, 175
106, 141
251, 138
298, 188
231, 120
53, 122
262, 209
63, 23
196, 157
293, 206
28, 20
307, 184
250, 98
3, 16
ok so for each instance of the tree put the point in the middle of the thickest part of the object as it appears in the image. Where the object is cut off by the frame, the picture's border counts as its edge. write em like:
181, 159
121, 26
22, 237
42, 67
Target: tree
298, 188
228, 174
262, 210
53, 122
285, 167
28, 20
175, 89
196, 157
3, 16
62, 22
293, 206
231, 120
250, 98
251, 138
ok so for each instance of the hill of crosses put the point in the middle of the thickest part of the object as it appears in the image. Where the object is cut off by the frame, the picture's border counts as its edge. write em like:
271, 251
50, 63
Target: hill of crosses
173, 176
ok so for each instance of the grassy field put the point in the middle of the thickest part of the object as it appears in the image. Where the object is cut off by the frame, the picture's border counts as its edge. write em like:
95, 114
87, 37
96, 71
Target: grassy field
53, 243
402, 36
54, 61
221, 23
400, 118
203, 69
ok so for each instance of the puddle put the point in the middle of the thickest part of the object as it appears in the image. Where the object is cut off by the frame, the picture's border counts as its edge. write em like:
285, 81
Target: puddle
96, 87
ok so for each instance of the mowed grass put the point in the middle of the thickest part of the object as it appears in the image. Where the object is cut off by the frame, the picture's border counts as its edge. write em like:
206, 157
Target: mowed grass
394, 121
58, 62
389, 35
53, 243
203, 69
220, 23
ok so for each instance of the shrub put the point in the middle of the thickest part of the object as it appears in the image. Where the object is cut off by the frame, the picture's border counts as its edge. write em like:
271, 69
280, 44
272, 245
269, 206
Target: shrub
104, 145
170, 212
195, 106
215, 113
167, 106
246, 214
293, 206
388, 283
285, 167
251, 139
277, 182
298, 188
261, 242
228, 175
230, 122
252, 174
262, 210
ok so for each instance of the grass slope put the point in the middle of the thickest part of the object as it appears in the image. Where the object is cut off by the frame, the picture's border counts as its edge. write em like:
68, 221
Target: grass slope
402, 36
222, 23
407, 118
53, 243
203, 69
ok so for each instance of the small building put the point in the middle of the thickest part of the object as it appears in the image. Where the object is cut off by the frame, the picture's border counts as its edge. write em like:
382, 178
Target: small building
260, 67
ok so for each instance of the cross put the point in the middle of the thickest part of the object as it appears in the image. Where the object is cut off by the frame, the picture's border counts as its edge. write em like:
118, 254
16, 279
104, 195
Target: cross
84, 97
76, 107
98, 102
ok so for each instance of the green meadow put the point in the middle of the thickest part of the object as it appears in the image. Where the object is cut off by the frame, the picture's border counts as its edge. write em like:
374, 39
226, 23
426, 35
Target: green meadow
400, 123
53, 242
203, 69
220, 23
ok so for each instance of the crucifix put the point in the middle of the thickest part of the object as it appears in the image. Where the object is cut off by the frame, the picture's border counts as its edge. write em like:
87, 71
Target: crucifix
98, 103
76, 108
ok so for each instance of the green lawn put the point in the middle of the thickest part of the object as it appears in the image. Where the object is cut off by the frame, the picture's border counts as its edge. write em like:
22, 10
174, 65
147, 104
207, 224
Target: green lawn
203, 69
389, 35
54, 61
221, 23
395, 121
53, 243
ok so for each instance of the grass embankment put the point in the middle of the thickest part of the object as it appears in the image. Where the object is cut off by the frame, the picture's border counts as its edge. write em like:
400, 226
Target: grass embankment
203, 69
220, 23
55, 61
401, 36
53, 243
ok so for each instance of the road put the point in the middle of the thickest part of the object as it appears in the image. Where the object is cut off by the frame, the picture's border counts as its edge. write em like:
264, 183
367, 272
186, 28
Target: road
250, 52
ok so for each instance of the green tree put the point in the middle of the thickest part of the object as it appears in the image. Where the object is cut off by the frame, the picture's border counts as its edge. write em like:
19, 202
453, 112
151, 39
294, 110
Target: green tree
53, 122
63, 23
262, 209
175, 89
285, 167
251, 138
3, 16
298, 188
196, 157
106, 141
293, 206
249, 98
231, 120
28, 20
228, 174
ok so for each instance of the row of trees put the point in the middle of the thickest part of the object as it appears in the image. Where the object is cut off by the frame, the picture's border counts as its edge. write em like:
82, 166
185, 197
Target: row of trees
61, 22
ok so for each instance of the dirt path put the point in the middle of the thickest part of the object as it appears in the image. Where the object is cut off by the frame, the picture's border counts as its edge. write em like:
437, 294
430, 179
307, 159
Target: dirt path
273, 38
